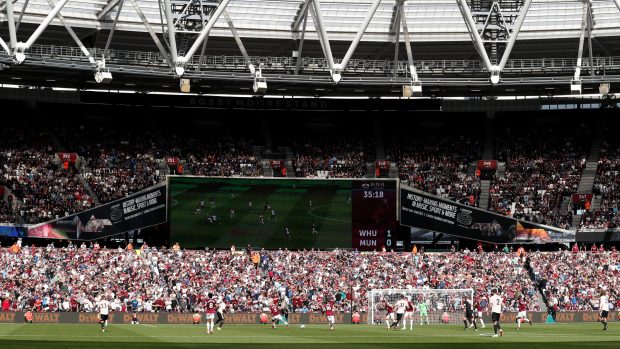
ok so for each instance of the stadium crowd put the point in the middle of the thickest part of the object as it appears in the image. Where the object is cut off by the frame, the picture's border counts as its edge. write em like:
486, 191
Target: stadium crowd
226, 156
336, 157
607, 185
45, 190
6, 210
439, 167
114, 175
573, 279
540, 171
74, 278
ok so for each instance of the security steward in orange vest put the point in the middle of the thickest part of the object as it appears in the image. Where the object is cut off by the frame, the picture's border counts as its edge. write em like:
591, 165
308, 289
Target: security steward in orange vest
28, 317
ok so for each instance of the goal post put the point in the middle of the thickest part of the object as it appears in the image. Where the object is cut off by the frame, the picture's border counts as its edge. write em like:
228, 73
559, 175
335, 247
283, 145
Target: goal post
444, 306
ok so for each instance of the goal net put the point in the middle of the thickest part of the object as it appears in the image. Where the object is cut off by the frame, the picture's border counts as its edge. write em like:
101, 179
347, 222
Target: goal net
443, 306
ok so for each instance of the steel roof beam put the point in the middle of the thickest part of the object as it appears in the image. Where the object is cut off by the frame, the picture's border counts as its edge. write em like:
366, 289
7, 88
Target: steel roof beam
318, 22
514, 34
113, 29
203, 33
11, 19
111, 4
73, 35
20, 47
302, 15
246, 57
172, 41
301, 44
591, 61
397, 43
584, 25
473, 30
5, 47
360, 33
412, 70
21, 15
148, 27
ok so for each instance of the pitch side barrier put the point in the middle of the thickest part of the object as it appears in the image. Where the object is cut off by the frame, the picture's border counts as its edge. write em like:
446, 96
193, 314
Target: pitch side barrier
254, 318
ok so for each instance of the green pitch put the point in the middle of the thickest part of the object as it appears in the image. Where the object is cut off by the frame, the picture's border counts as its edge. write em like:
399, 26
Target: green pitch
558, 336
297, 204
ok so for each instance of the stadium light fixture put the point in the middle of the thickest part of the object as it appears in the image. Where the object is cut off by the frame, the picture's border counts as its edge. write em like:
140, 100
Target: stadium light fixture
604, 88
184, 85
102, 74
260, 83
575, 87
414, 89
494, 77
179, 70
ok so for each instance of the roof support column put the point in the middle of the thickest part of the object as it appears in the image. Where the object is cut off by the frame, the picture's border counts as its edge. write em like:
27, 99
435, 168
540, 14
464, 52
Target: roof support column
244, 52
73, 35
172, 41
584, 24
5, 47
590, 38
302, 14
301, 41
514, 34
204, 32
20, 47
21, 15
111, 4
318, 22
397, 44
111, 35
359, 35
148, 27
473, 30
11, 19
412, 70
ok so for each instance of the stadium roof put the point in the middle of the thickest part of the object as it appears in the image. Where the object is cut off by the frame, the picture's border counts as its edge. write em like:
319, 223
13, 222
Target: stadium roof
528, 46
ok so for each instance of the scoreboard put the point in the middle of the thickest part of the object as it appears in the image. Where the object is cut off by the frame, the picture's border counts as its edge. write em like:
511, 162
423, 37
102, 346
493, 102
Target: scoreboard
373, 214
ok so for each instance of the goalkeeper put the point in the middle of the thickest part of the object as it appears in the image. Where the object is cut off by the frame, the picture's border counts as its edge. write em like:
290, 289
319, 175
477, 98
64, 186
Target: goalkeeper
423, 309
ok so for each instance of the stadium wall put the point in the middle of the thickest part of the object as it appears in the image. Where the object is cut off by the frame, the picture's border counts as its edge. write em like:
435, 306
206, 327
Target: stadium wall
254, 318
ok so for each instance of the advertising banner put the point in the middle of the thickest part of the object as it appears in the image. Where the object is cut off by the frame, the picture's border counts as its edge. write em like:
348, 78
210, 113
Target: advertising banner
426, 211
13, 231
254, 318
139, 210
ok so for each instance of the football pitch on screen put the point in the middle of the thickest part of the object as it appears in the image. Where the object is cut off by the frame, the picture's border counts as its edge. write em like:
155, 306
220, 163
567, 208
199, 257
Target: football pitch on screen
48, 336
298, 204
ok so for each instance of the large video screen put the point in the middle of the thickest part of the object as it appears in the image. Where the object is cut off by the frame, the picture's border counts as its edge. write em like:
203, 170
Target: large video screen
280, 213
